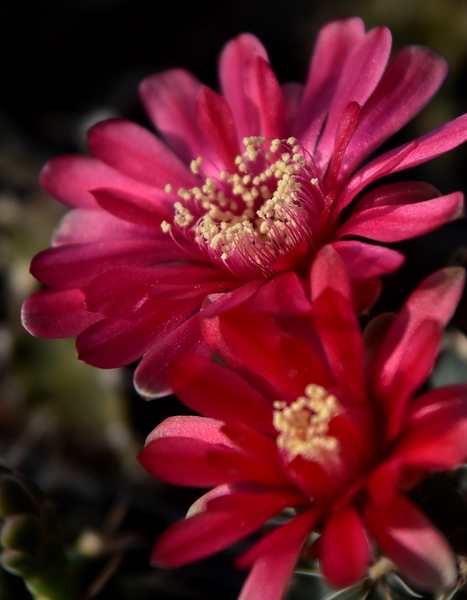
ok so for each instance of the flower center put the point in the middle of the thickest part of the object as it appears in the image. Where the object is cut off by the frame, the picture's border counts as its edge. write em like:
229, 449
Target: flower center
246, 219
303, 425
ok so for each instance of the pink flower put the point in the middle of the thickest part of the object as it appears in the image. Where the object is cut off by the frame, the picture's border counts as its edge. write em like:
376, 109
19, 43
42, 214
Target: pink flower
328, 427
250, 184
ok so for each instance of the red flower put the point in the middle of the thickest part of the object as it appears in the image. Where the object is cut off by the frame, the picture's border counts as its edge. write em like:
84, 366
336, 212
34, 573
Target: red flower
253, 184
310, 426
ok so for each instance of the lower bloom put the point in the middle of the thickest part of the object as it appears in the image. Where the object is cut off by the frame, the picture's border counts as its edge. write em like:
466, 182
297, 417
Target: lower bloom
326, 426
249, 186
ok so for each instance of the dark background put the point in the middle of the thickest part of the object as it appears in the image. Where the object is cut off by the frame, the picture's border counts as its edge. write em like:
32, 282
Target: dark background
65, 65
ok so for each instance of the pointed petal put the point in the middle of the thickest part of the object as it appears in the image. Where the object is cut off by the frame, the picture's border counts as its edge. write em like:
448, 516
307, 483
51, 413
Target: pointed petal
401, 192
134, 209
335, 42
428, 146
221, 303
283, 295
209, 388
234, 67
345, 550
360, 75
120, 292
410, 81
435, 299
364, 261
414, 368
220, 526
336, 322
134, 151
395, 223
151, 378
115, 342
250, 343
411, 541
275, 553
217, 122
56, 314
82, 225
69, 178
266, 94
170, 101
75, 265
435, 437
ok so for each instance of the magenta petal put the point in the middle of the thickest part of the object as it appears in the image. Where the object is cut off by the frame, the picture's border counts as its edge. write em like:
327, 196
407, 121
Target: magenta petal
345, 550
134, 151
283, 295
176, 452
120, 292
170, 100
220, 303
384, 481
82, 225
218, 125
401, 192
250, 467
428, 146
395, 223
199, 428
328, 271
360, 75
252, 441
414, 368
435, 437
200, 505
151, 378
435, 299
69, 178
364, 261
115, 342
411, 541
75, 265
234, 65
335, 42
56, 314
220, 526
412, 78
277, 553
336, 322
209, 388
266, 94
137, 210
249, 342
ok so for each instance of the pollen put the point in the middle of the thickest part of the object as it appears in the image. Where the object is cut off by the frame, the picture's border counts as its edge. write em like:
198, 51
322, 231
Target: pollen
165, 226
303, 425
195, 165
246, 217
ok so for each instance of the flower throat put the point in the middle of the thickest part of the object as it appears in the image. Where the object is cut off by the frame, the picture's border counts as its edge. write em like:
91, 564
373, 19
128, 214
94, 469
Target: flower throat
246, 220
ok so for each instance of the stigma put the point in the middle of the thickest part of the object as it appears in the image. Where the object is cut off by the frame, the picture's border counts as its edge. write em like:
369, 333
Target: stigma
244, 220
303, 425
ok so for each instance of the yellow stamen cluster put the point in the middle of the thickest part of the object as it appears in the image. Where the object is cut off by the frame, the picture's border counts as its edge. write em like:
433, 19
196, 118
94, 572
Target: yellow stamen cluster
254, 207
183, 217
304, 424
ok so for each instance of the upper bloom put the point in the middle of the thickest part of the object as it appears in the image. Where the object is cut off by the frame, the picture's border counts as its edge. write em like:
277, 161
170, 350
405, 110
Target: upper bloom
327, 427
249, 186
